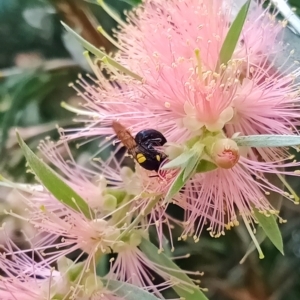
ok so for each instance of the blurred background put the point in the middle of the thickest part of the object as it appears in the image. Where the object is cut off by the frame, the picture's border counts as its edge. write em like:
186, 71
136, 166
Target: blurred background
38, 60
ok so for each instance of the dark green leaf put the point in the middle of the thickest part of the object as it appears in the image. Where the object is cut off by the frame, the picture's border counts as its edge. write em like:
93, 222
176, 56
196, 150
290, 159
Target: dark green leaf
186, 289
205, 166
190, 166
177, 185
271, 229
55, 185
233, 34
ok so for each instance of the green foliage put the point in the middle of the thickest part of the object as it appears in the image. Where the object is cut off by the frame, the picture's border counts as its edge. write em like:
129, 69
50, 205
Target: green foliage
185, 288
103, 56
296, 5
271, 229
133, 2
233, 34
177, 185
56, 186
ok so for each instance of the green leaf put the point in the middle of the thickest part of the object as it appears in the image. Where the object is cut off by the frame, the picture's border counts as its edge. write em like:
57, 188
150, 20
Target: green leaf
188, 162
111, 11
97, 52
271, 229
186, 289
180, 160
56, 186
268, 140
177, 185
188, 159
205, 166
233, 34
190, 166
127, 291
132, 2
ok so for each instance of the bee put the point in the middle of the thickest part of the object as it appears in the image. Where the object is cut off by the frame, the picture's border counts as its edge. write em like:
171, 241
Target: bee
142, 147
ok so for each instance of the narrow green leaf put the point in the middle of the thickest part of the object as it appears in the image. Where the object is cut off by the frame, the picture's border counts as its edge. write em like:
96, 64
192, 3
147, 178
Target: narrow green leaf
180, 160
190, 166
233, 34
111, 12
271, 229
186, 289
197, 150
132, 2
97, 52
189, 162
177, 185
205, 166
276, 202
56, 186
268, 140
127, 291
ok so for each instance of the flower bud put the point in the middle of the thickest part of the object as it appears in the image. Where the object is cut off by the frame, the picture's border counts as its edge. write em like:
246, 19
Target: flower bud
225, 153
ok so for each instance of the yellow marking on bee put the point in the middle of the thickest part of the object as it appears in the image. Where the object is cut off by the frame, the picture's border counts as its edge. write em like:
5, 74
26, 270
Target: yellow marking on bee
140, 158
158, 157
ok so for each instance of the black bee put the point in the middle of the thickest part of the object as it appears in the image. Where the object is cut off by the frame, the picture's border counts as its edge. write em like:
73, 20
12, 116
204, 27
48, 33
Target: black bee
142, 147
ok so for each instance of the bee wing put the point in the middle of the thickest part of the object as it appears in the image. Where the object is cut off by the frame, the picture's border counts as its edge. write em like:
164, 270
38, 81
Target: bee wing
124, 135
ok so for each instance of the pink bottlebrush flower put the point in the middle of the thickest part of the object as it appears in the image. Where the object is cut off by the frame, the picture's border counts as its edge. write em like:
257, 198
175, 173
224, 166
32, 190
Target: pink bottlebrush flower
141, 193
27, 279
215, 199
72, 231
175, 48
185, 94
86, 182
19, 281
114, 227
66, 230
28, 273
